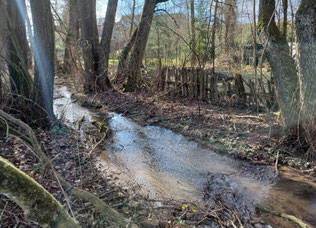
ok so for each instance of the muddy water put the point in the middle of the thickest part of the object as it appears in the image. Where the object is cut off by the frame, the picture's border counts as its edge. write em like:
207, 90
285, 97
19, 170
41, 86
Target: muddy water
167, 165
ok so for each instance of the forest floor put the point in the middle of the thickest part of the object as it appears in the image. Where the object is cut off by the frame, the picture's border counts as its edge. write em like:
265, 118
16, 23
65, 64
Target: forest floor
229, 128
72, 161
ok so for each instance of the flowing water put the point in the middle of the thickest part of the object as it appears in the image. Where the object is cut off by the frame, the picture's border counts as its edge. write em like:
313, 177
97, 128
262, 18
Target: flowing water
167, 165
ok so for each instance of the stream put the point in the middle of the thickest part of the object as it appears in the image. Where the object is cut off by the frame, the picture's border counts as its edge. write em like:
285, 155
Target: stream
166, 165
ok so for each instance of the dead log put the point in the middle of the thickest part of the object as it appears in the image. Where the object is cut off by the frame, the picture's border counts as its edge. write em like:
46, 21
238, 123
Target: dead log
37, 203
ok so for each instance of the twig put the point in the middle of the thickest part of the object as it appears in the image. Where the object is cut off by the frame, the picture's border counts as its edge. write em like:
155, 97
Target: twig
283, 215
249, 117
3, 210
276, 163
95, 146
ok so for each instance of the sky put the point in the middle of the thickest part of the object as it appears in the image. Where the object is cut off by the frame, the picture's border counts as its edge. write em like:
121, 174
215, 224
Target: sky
101, 8
125, 7
172, 6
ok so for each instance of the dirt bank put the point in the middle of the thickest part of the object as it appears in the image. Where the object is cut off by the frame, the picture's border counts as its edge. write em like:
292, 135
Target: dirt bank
227, 127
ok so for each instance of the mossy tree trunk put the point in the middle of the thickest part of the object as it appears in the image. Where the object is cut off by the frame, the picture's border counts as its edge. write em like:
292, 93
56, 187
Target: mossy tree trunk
282, 65
20, 80
306, 54
38, 204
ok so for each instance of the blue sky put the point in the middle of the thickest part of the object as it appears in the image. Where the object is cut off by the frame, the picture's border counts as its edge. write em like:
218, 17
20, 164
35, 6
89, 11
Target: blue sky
125, 7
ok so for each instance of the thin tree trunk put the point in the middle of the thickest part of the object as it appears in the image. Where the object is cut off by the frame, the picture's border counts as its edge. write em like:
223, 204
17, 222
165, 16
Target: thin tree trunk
132, 19
284, 28
158, 49
3, 44
292, 27
214, 35
44, 43
188, 16
193, 39
282, 65
230, 24
255, 54
103, 77
306, 54
122, 65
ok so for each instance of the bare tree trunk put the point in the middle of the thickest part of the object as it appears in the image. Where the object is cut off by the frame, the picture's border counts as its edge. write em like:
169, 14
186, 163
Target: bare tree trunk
20, 80
282, 65
132, 19
158, 49
122, 65
137, 55
230, 24
3, 45
193, 39
72, 37
284, 27
292, 27
103, 77
44, 42
188, 16
214, 35
255, 53
90, 42
306, 54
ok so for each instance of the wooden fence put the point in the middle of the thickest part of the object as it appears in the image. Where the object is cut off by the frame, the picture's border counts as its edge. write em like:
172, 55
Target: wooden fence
205, 85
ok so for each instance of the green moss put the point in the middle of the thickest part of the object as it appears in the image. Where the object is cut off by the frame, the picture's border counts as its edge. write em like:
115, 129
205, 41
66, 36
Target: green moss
37, 203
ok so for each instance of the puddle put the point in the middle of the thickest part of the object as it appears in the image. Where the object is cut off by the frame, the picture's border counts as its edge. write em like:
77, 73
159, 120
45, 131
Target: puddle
167, 165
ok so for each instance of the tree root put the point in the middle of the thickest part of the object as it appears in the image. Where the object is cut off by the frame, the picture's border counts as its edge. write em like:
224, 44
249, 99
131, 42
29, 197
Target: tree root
31, 141
283, 215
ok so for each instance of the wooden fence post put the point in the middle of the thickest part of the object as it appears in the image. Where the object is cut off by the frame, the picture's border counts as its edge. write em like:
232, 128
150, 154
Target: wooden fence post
240, 88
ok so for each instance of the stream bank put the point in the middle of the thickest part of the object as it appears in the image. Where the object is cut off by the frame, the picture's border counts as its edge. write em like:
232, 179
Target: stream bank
229, 128
142, 154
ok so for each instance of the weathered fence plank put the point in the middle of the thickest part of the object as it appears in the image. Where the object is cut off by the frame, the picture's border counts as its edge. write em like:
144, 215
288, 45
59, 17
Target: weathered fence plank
204, 84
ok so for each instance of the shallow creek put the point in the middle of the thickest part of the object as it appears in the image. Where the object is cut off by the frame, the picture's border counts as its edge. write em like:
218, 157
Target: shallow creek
168, 166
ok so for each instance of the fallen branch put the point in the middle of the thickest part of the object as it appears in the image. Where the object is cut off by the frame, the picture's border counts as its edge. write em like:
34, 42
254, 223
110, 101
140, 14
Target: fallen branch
249, 117
283, 215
